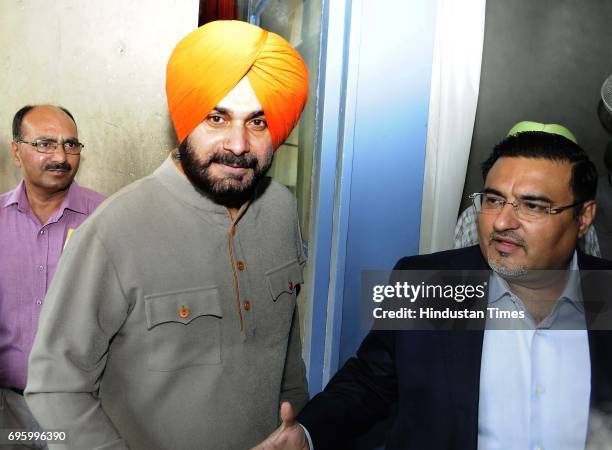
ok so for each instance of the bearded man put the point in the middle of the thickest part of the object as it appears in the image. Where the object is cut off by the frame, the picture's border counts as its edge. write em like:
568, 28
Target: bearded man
172, 321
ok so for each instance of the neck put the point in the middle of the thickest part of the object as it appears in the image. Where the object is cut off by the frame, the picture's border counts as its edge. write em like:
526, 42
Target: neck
540, 293
43, 203
234, 211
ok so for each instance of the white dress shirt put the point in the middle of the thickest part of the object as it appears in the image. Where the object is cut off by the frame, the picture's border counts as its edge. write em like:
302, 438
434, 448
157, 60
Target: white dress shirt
535, 381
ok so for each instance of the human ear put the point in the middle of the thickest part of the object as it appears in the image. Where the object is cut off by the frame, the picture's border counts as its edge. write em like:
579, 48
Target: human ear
15, 154
586, 217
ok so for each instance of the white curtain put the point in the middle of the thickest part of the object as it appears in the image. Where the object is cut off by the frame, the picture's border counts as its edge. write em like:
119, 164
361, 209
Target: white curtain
452, 109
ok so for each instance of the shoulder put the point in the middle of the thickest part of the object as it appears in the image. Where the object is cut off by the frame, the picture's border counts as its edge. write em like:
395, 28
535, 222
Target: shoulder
117, 208
4, 196
9, 196
588, 262
270, 188
90, 198
459, 259
275, 197
467, 216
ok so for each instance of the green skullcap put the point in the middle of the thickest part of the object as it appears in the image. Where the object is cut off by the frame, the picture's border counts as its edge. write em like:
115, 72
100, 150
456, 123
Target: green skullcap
552, 128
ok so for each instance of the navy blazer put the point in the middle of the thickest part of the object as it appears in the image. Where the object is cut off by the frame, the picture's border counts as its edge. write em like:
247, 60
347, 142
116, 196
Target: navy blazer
428, 380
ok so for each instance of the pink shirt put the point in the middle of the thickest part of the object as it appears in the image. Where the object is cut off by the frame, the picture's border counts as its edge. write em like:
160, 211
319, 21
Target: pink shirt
29, 253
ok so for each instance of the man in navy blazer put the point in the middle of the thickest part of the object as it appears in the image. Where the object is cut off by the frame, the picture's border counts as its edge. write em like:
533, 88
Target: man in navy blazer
543, 387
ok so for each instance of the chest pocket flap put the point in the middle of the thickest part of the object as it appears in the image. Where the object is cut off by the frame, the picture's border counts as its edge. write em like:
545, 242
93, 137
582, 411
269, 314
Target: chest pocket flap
183, 306
284, 278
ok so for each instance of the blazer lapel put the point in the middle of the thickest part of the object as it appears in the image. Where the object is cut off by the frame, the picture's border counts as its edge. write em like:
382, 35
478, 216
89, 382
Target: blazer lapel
463, 355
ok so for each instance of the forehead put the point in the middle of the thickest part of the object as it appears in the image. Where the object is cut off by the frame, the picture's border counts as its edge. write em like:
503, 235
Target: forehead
241, 99
531, 176
49, 120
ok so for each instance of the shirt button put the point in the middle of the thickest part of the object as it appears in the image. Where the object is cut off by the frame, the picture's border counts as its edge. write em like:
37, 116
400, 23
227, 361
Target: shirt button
240, 265
184, 312
247, 305
540, 389
39, 302
42, 231
290, 285
41, 268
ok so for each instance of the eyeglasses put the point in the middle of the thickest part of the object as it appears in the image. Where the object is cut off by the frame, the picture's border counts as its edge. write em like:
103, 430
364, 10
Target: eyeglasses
487, 203
71, 147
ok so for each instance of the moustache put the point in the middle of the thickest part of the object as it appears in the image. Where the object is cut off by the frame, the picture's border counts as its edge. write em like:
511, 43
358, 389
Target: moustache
58, 166
244, 161
508, 234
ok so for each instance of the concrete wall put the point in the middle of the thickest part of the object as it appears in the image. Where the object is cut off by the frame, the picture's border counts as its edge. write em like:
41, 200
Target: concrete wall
104, 61
544, 61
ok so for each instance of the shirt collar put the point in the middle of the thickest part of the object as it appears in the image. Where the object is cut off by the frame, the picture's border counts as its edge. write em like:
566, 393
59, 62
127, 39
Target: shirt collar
73, 201
572, 287
498, 287
16, 196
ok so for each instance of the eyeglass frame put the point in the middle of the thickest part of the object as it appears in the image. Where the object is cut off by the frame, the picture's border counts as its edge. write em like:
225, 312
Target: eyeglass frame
54, 145
550, 210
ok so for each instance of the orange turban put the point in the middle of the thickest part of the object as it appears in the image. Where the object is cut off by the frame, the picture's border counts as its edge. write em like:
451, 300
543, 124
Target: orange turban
210, 61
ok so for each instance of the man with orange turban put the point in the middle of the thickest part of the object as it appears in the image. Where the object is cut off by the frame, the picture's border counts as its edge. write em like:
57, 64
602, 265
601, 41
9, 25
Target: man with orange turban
172, 322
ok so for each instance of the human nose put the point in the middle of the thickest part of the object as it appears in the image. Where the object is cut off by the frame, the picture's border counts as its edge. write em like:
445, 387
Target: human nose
507, 218
59, 154
236, 139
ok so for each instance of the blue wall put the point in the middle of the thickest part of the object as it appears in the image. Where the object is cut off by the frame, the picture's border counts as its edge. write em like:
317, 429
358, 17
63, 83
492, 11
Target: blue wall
390, 134
374, 97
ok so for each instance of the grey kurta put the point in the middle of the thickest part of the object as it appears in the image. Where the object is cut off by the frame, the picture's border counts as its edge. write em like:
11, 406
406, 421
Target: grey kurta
169, 327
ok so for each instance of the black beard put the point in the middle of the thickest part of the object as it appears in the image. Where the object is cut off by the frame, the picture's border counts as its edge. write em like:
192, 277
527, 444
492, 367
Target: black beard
222, 191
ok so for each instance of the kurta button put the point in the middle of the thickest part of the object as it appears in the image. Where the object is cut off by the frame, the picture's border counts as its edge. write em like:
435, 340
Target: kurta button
184, 312
240, 265
247, 305
290, 285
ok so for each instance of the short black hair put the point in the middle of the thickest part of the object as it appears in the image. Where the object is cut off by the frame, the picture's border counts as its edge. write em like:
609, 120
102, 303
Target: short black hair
553, 147
19, 115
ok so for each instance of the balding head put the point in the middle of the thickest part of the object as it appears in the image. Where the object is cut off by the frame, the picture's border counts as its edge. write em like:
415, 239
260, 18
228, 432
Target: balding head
23, 112
47, 169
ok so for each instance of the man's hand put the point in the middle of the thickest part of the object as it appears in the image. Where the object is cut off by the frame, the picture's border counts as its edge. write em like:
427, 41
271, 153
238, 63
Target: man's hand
289, 436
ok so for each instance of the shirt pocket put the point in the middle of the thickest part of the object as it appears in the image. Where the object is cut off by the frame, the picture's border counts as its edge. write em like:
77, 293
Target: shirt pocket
183, 328
274, 318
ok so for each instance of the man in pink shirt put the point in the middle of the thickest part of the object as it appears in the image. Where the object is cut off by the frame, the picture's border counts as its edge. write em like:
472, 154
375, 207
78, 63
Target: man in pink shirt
36, 220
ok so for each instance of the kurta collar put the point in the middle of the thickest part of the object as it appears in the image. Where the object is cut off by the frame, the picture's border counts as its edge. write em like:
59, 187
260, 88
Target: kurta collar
181, 187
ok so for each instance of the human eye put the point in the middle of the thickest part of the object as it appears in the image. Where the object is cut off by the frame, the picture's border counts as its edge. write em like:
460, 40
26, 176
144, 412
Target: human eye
492, 201
259, 124
534, 207
69, 145
43, 144
216, 120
